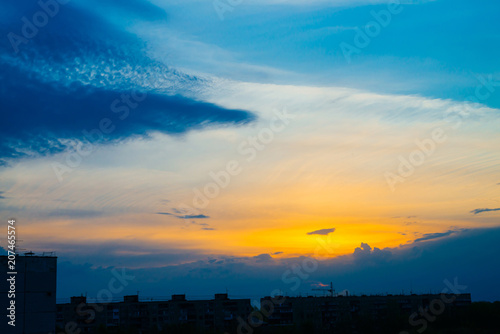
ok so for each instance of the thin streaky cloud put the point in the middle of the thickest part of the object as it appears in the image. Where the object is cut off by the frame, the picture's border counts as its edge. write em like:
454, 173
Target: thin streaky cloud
325, 231
185, 216
477, 211
432, 236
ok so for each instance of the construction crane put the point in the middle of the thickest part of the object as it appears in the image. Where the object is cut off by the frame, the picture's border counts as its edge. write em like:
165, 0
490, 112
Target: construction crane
331, 290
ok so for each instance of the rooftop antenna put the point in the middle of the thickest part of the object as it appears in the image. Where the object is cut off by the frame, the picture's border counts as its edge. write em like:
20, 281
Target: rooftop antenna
18, 249
331, 290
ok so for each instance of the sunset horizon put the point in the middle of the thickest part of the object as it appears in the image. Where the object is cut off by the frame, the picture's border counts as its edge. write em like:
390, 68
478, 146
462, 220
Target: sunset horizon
245, 147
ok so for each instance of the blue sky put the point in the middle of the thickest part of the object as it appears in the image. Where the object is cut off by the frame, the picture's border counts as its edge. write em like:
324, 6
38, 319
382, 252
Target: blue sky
430, 48
178, 141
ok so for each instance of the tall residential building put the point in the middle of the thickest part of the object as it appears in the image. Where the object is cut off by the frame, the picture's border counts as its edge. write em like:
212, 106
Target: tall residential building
35, 294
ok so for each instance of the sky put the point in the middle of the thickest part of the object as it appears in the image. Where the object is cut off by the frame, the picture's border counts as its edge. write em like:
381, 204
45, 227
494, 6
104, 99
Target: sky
246, 146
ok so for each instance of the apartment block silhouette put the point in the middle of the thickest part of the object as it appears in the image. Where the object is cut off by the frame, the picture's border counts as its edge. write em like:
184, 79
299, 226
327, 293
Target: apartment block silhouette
218, 314
336, 313
35, 294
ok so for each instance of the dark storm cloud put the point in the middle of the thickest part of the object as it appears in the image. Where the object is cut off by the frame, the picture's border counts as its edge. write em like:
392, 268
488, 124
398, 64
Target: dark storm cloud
80, 72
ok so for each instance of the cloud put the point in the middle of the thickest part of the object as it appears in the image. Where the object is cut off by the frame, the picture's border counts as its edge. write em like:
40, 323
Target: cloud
1, 195
329, 3
75, 213
432, 236
367, 255
37, 125
320, 285
476, 211
193, 217
364, 248
185, 216
115, 253
427, 265
204, 226
325, 231
263, 258
135, 8
73, 89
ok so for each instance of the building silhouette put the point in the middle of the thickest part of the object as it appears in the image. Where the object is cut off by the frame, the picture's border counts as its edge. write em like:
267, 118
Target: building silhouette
201, 316
340, 314
35, 294
354, 313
